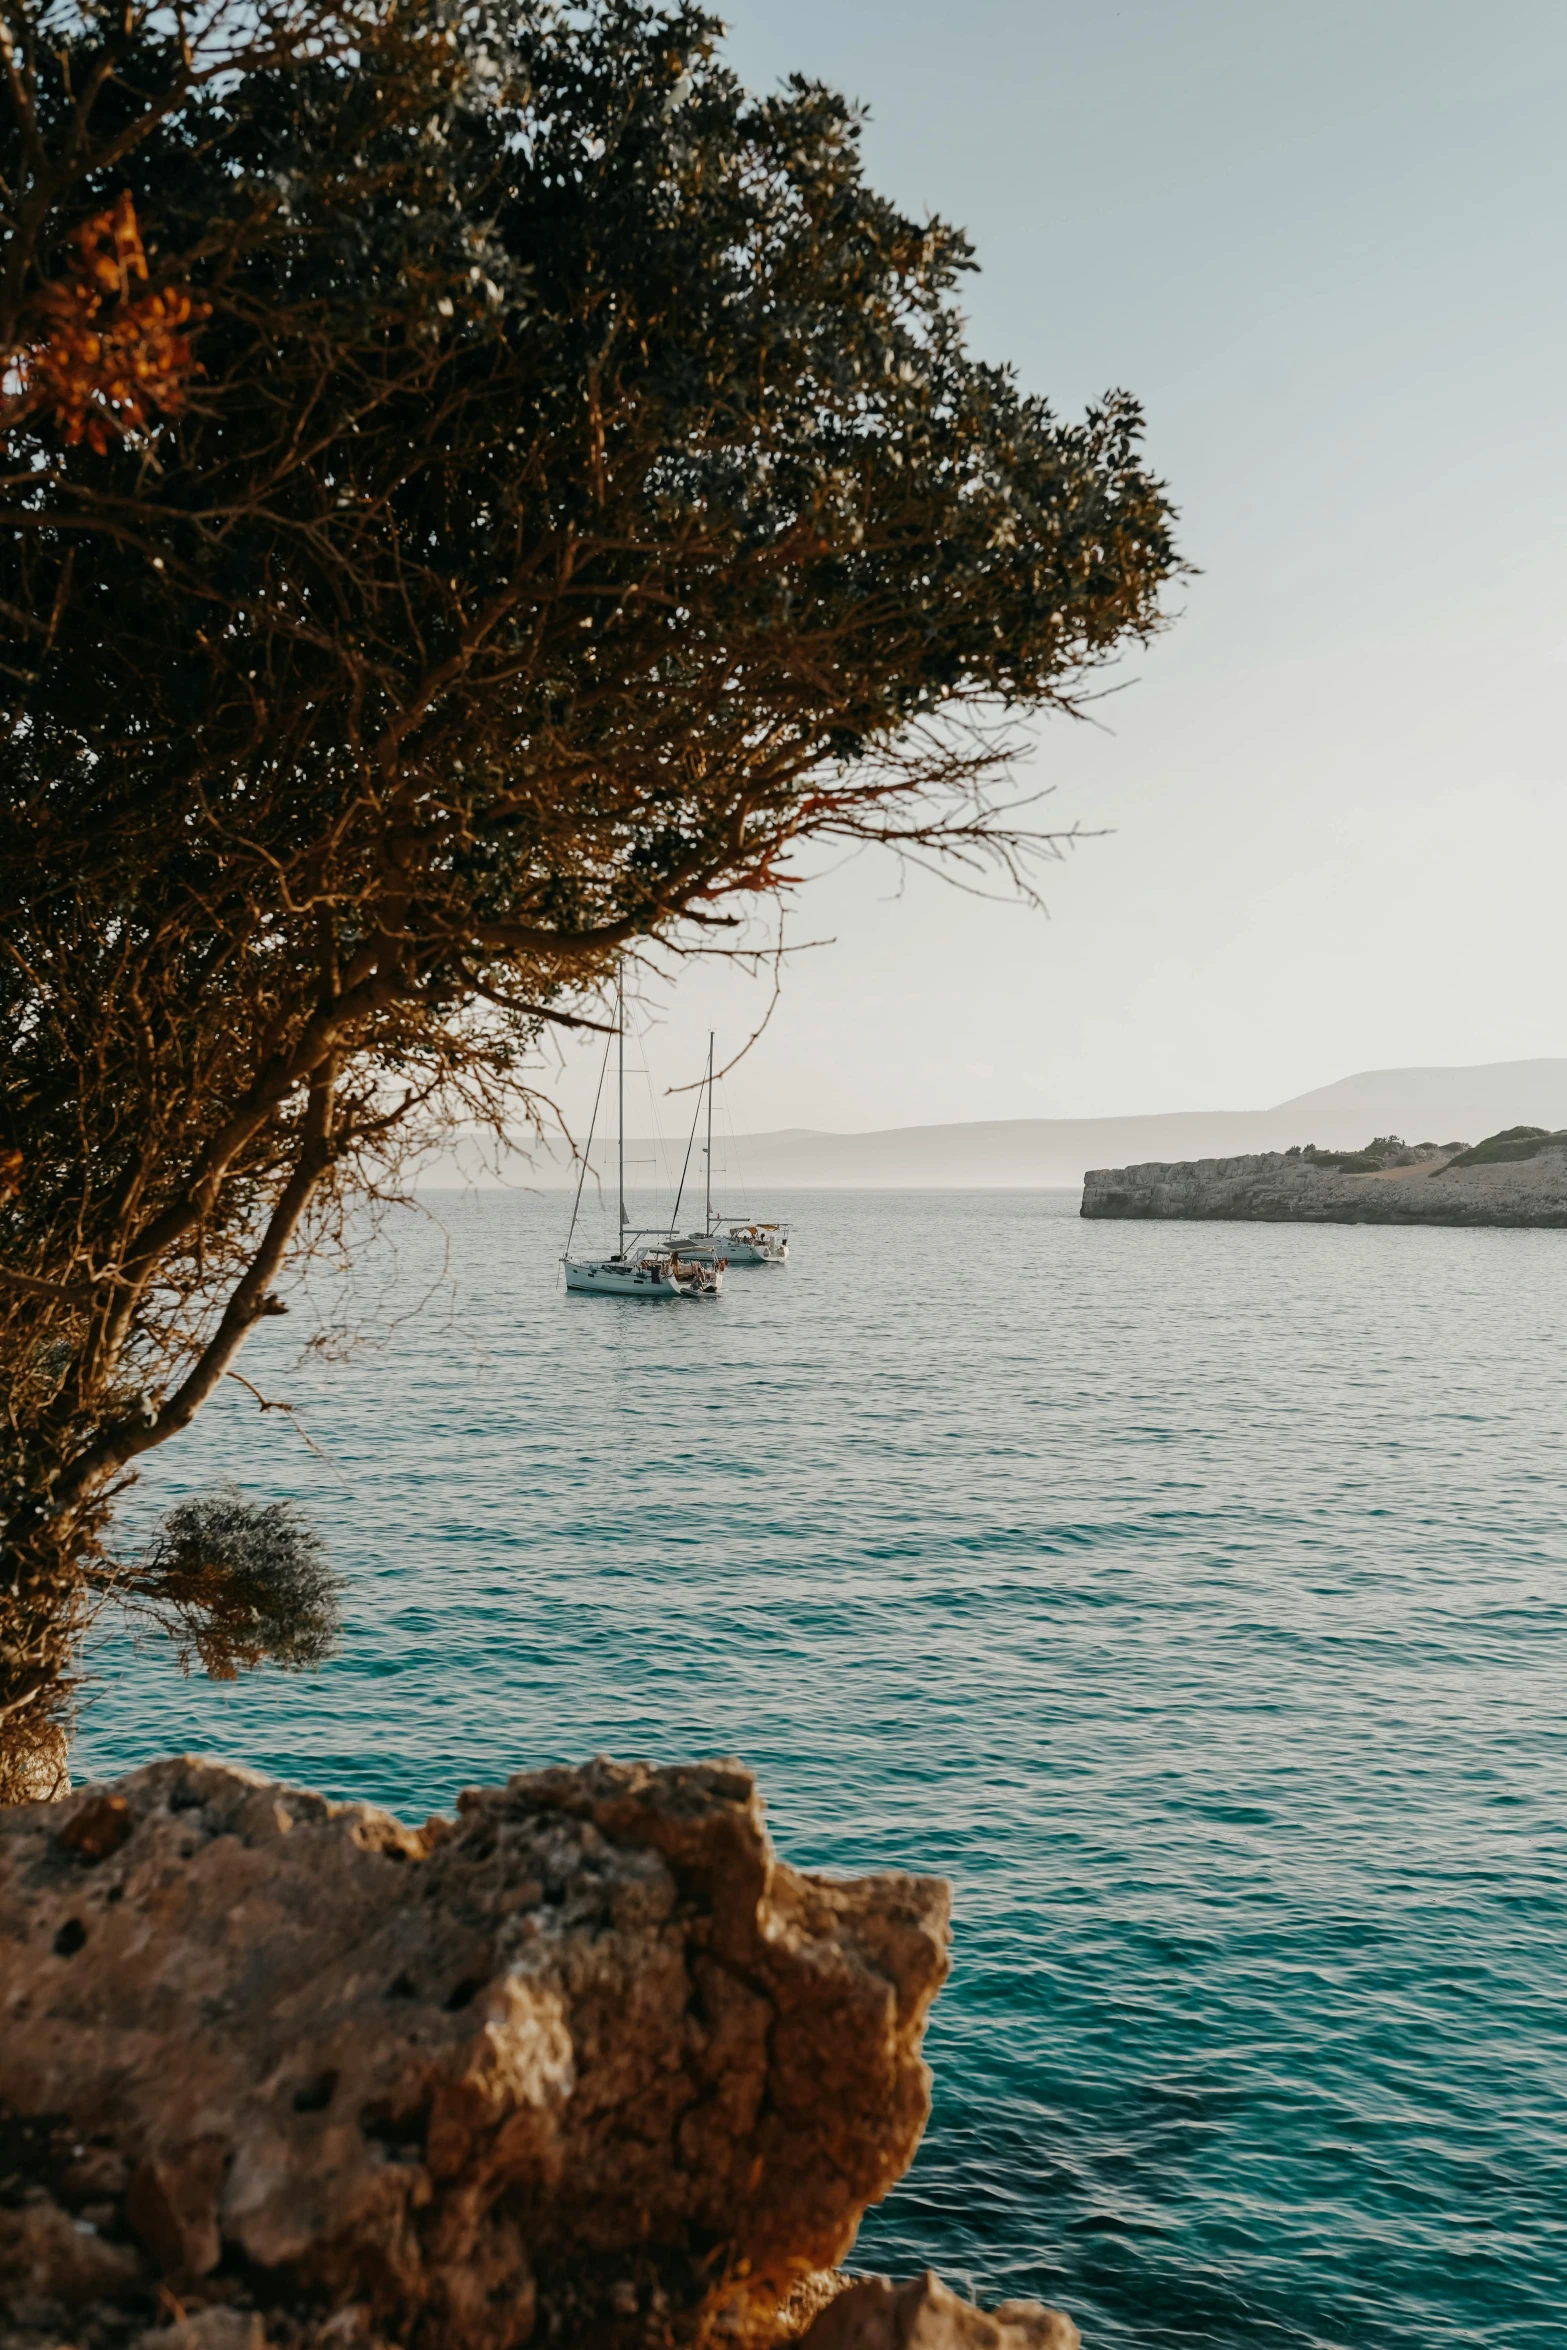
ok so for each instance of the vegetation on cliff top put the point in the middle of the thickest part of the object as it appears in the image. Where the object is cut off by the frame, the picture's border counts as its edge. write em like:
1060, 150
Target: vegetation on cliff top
1390, 1150
1513, 1142
1384, 1151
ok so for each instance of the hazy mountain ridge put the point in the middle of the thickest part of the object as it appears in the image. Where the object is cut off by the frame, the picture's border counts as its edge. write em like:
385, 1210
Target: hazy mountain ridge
1422, 1104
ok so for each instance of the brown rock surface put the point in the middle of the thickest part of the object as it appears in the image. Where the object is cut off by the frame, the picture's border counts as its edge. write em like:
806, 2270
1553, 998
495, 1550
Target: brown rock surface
588, 2058
925, 2314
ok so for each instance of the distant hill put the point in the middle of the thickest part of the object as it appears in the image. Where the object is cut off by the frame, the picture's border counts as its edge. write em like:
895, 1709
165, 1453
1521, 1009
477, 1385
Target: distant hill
1423, 1105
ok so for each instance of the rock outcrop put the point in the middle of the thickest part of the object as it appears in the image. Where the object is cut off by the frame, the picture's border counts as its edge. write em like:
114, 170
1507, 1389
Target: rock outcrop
1285, 1187
925, 2314
587, 2063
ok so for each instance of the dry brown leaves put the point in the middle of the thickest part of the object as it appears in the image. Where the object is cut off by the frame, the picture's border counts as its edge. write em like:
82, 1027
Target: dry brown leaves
105, 353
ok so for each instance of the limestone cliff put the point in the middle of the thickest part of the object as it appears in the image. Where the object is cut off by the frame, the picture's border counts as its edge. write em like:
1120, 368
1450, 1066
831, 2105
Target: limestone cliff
587, 2061
587, 2066
1437, 1187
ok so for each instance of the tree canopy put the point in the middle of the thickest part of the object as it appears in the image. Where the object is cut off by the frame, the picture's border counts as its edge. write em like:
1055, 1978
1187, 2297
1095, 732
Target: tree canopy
480, 490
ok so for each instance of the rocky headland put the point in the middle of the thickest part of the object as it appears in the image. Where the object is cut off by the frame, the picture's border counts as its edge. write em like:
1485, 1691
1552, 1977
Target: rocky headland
586, 2065
1516, 1177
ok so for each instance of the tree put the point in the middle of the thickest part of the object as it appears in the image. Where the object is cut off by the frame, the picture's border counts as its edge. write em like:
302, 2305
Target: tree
480, 491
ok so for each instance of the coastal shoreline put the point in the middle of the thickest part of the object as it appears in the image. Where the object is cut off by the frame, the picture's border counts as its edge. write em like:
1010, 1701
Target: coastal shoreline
1290, 1187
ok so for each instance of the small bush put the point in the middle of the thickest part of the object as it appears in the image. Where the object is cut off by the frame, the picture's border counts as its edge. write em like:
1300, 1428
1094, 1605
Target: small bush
235, 1582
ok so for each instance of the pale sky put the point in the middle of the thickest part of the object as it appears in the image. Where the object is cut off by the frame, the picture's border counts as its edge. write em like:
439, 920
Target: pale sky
1323, 241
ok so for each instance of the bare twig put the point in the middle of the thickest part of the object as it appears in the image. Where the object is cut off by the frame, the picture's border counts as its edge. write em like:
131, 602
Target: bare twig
272, 1404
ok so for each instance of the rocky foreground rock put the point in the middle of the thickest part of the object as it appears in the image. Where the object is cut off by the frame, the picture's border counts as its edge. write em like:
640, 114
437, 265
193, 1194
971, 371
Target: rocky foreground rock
1282, 1187
587, 2064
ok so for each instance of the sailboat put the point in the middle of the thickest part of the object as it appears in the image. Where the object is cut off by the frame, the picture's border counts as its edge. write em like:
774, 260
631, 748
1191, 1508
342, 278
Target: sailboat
726, 1240
640, 1271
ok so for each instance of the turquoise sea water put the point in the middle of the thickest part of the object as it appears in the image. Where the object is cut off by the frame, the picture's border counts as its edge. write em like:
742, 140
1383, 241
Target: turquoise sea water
1192, 1595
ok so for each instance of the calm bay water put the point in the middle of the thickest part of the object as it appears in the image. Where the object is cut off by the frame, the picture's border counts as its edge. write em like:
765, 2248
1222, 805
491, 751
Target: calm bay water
1192, 1595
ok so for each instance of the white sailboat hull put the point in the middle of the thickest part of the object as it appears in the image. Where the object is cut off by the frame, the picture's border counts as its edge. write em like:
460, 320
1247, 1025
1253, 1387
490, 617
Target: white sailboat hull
722, 1248
757, 1246
618, 1280
770, 1251
600, 1278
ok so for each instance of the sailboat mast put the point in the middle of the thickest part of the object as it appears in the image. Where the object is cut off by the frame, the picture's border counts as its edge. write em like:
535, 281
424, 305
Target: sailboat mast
587, 1156
620, 1121
708, 1225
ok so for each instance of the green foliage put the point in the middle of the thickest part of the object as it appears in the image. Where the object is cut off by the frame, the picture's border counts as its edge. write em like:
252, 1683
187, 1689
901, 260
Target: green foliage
1389, 1150
234, 1583
585, 459
1513, 1142
1384, 1151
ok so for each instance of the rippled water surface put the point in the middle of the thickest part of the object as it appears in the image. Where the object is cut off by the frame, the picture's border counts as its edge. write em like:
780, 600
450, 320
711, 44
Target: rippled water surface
1191, 1595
